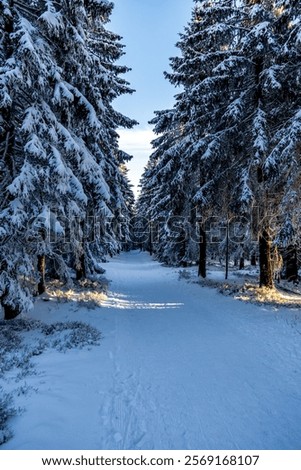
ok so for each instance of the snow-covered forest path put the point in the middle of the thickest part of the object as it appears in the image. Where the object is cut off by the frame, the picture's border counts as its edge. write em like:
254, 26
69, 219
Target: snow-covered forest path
179, 367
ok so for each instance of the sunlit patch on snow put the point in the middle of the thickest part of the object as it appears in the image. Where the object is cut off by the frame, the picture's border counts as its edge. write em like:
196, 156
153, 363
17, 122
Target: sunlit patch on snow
119, 301
93, 298
279, 11
89, 297
263, 295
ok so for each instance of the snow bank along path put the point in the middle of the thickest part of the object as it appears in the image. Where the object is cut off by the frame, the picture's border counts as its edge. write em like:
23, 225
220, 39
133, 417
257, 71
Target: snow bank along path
179, 367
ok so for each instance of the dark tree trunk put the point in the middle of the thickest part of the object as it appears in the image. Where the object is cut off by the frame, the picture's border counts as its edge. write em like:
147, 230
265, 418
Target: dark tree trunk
9, 312
41, 271
150, 239
53, 269
265, 260
150, 245
241, 262
203, 253
81, 263
81, 269
227, 251
253, 259
291, 264
182, 253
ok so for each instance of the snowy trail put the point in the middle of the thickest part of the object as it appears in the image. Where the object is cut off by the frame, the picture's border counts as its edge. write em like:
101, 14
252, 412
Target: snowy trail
179, 367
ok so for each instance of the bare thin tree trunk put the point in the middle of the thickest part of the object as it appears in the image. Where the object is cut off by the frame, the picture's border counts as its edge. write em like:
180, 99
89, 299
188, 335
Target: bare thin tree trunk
81, 269
203, 253
241, 262
227, 250
41, 271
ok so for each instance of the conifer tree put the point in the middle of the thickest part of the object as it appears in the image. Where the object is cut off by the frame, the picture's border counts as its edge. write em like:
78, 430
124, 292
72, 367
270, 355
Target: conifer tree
200, 152
239, 116
60, 159
283, 162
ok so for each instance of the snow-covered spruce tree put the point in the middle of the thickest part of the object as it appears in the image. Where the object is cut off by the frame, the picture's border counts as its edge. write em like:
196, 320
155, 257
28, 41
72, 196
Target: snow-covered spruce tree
36, 181
143, 221
283, 163
55, 149
126, 211
260, 47
146, 214
193, 130
206, 149
230, 110
264, 107
164, 194
149, 211
121, 204
238, 146
88, 84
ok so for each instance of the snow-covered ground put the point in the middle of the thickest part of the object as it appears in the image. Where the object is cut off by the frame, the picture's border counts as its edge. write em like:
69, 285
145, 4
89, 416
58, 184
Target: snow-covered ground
178, 367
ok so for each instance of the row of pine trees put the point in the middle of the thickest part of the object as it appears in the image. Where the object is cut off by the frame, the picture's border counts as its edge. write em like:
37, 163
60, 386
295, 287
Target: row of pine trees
225, 172
65, 198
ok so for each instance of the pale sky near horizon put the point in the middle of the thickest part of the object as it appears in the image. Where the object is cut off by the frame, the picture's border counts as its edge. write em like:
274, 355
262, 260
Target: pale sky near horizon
150, 30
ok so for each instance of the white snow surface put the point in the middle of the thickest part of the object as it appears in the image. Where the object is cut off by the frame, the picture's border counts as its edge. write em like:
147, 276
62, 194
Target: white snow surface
179, 366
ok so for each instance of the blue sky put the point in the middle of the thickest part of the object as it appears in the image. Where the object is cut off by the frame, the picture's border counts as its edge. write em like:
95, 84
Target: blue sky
150, 29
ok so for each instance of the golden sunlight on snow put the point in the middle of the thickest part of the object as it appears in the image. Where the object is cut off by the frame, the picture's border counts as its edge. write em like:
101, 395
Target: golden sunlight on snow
93, 297
90, 298
268, 296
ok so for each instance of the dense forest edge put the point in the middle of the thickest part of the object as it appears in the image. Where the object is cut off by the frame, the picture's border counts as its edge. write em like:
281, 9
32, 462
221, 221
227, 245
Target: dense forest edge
223, 181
